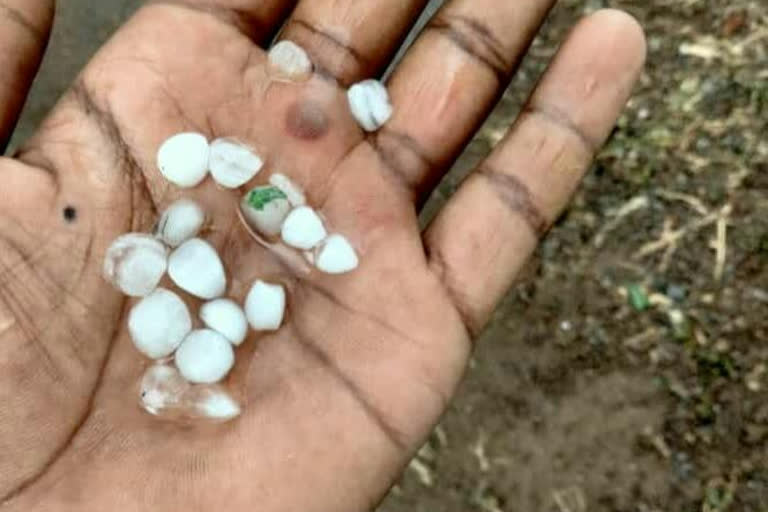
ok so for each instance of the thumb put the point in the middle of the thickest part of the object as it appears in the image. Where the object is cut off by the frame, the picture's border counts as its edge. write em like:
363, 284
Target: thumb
24, 29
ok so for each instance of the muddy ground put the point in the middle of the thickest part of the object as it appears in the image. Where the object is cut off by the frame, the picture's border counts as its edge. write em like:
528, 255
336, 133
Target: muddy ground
628, 370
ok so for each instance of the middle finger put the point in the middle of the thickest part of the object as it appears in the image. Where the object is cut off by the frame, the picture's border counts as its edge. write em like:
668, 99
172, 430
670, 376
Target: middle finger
447, 83
351, 39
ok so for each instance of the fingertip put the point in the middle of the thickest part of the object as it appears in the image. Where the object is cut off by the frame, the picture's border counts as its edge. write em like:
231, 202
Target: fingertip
625, 31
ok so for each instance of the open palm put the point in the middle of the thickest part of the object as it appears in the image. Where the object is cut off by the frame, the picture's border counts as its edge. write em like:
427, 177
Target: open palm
338, 399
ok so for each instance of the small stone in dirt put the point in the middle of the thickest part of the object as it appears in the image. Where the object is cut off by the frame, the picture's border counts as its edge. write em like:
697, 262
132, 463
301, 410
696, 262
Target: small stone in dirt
227, 318
135, 263
232, 163
265, 209
676, 292
159, 323
265, 306
289, 62
196, 268
370, 105
638, 297
303, 229
179, 222
205, 357
336, 256
183, 159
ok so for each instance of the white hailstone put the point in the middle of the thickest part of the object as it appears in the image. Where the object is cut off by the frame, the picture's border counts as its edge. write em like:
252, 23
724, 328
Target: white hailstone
162, 388
303, 228
337, 256
227, 318
291, 190
215, 403
369, 102
265, 306
135, 264
183, 159
265, 209
289, 62
196, 268
232, 163
165, 393
181, 221
159, 323
205, 357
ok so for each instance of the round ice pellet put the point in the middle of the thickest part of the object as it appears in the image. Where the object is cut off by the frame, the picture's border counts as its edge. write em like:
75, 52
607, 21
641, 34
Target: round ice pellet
183, 159
181, 221
265, 306
303, 228
265, 209
205, 357
196, 268
232, 163
162, 388
135, 263
370, 105
291, 190
289, 62
159, 323
227, 318
336, 256
215, 403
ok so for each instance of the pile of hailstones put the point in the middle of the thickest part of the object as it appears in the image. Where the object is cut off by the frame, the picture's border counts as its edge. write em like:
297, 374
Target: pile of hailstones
189, 363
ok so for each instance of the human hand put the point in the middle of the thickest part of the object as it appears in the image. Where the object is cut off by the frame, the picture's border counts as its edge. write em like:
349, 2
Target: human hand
340, 398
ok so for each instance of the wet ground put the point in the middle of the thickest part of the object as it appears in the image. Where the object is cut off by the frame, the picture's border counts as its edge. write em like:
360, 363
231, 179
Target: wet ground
628, 370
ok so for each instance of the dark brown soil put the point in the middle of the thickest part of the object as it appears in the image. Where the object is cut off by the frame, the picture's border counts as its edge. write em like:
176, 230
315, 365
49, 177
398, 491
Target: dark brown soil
581, 398
628, 370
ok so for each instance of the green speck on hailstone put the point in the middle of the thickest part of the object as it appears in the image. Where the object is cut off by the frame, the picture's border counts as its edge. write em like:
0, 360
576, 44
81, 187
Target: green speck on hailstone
260, 197
638, 299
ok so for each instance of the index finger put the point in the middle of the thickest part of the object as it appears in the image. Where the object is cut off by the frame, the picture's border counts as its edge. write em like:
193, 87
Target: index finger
485, 234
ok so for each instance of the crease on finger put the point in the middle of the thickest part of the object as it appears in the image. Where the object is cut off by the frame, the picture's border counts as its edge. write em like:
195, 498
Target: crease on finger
333, 58
517, 196
16, 16
476, 39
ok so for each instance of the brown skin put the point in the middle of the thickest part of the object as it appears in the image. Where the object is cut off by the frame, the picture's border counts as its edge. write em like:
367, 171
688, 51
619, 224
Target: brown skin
339, 399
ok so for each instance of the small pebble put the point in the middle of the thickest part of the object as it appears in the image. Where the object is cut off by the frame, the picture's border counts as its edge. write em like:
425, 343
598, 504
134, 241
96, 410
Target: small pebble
183, 159
337, 256
265, 209
369, 102
162, 388
289, 62
303, 229
181, 221
227, 318
291, 190
205, 357
265, 306
196, 268
135, 264
232, 163
159, 323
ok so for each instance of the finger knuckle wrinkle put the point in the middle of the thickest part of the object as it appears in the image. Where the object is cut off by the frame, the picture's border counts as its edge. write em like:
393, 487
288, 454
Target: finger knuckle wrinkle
476, 39
514, 193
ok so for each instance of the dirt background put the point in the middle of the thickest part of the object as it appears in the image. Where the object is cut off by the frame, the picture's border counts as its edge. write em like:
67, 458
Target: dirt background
627, 371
